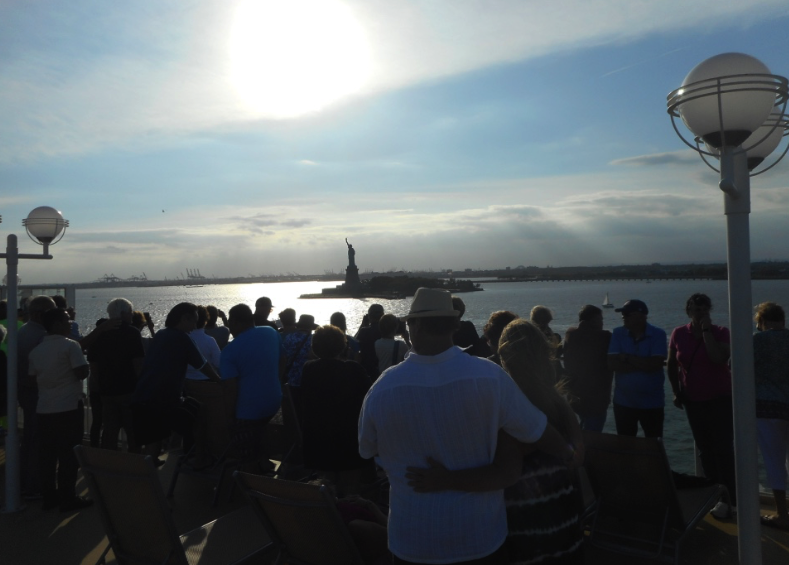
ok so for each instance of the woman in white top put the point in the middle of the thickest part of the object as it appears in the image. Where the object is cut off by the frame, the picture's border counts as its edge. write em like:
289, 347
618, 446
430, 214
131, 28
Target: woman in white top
206, 344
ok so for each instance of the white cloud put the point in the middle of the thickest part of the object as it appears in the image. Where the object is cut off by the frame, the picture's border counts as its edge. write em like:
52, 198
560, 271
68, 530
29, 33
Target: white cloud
173, 75
685, 157
430, 39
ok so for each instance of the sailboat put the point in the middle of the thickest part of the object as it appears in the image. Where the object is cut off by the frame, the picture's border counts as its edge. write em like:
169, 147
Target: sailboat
606, 302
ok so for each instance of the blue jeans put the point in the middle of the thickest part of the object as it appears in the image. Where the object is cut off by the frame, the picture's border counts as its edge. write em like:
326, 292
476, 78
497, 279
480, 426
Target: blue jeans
627, 420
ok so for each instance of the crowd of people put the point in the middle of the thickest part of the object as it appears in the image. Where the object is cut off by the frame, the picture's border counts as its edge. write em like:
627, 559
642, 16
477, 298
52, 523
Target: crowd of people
480, 436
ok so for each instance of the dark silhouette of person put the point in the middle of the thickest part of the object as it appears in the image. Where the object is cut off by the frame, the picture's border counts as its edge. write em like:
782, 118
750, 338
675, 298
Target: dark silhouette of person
263, 308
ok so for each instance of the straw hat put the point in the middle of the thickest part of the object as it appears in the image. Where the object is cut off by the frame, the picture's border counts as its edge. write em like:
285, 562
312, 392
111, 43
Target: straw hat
431, 303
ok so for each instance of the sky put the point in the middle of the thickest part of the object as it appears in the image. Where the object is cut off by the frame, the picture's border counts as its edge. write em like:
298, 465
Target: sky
251, 137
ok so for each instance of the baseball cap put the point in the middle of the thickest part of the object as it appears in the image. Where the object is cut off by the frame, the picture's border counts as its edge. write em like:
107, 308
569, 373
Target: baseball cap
633, 306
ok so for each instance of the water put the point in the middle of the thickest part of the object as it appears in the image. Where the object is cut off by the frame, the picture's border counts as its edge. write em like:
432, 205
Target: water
665, 299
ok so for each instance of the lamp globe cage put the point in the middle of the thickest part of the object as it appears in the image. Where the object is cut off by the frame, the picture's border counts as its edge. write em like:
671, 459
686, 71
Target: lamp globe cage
766, 139
18, 280
45, 225
724, 99
761, 142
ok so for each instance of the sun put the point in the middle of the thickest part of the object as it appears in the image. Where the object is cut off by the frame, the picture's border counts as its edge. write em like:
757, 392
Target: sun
292, 57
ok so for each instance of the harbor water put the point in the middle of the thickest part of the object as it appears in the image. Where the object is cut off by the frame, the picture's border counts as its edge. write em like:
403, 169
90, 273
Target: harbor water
665, 299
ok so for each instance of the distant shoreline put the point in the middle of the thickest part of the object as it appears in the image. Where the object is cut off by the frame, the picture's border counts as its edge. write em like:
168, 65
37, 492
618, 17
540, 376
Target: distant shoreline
767, 270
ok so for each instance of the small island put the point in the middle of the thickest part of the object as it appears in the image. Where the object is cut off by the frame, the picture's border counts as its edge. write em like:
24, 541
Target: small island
386, 286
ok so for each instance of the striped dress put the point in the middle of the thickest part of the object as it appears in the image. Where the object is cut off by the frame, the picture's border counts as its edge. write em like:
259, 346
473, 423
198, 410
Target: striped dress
543, 514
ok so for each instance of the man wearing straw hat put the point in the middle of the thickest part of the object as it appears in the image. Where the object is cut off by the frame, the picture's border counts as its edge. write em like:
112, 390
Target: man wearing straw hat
443, 404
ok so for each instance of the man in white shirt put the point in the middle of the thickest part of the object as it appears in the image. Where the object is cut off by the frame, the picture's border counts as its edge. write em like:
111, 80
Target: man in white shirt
59, 367
443, 404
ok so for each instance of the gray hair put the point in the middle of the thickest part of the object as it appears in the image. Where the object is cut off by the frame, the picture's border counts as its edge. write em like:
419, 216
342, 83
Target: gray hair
40, 304
119, 306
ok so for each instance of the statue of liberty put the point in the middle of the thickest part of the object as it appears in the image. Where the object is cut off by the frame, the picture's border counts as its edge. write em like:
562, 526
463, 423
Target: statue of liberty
351, 254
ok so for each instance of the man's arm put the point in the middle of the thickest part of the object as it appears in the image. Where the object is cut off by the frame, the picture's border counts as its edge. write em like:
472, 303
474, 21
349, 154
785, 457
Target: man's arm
210, 372
501, 473
717, 351
672, 369
81, 372
221, 315
504, 471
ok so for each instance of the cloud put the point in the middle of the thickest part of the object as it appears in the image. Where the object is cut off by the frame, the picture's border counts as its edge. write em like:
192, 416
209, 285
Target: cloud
110, 250
569, 219
641, 203
641, 62
14, 199
686, 157
79, 77
159, 236
420, 41
258, 223
295, 223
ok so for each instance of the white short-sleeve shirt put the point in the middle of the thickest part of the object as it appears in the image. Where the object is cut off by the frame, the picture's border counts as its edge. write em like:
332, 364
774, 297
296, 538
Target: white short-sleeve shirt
52, 363
451, 407
210, 350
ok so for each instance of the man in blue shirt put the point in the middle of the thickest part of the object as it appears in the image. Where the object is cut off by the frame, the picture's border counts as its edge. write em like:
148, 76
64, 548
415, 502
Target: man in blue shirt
637, 354
254, 358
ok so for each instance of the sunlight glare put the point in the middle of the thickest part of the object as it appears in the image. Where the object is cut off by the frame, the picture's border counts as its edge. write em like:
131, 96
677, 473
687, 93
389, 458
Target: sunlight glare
292, 57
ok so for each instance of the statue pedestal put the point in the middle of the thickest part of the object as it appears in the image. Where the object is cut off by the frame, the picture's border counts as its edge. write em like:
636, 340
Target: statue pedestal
352, 287
352, 281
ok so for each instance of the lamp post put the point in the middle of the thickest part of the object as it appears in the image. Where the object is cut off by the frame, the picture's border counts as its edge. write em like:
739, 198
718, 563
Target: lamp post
736, 109
46, 227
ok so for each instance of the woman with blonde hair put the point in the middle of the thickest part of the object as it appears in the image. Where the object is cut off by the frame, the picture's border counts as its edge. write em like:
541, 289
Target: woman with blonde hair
543, 502
541, 316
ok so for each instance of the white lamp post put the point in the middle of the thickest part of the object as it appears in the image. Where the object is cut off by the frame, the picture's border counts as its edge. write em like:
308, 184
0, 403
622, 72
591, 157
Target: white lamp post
45, 226
729, 104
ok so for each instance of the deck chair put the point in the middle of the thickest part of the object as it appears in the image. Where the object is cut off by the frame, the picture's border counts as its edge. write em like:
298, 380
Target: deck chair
139, 523
217, 403
301, 520
286, 440
638, 510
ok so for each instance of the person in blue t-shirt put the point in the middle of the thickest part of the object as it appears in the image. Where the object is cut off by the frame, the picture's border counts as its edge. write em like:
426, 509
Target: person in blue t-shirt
637, 354
254, 358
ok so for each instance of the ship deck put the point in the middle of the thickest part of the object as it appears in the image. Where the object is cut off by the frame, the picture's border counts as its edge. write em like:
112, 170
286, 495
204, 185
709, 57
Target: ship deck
35, 537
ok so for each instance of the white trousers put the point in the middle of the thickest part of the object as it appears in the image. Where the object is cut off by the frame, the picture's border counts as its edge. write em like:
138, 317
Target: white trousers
774, 445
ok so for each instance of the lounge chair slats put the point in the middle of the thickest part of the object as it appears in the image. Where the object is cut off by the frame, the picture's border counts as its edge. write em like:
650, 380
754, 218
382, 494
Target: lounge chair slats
638, 510
139, 524
301, 519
